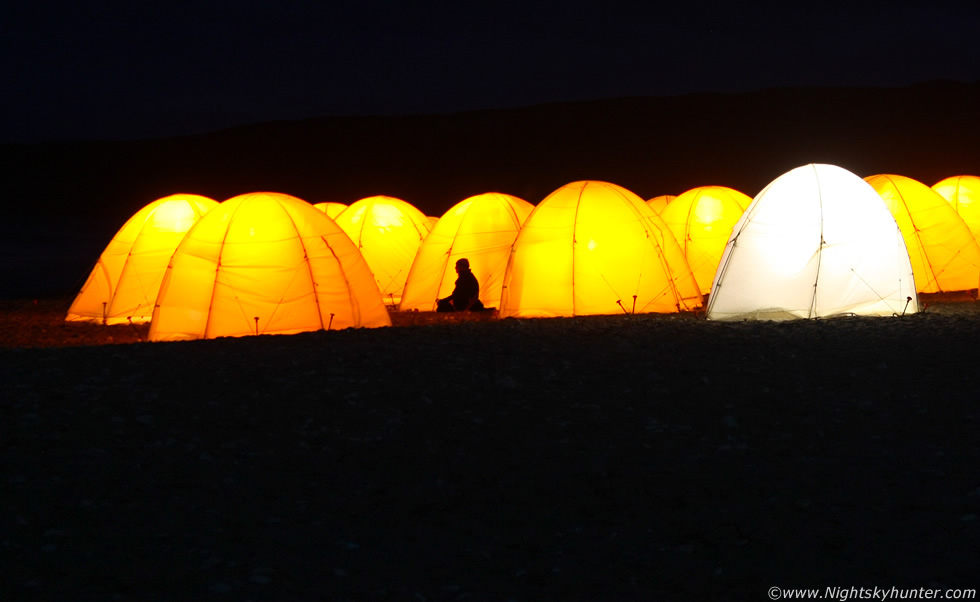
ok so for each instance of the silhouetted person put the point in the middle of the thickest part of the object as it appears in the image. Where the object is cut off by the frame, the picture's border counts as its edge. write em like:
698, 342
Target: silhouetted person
466, 295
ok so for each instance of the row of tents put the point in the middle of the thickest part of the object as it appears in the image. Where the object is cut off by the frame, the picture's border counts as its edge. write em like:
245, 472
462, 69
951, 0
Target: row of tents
818, 241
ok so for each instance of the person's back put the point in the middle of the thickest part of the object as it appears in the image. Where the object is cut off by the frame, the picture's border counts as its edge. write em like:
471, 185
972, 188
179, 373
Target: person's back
466, 294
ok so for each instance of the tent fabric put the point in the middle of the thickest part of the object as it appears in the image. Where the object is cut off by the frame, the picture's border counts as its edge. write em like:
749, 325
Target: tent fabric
124, 283
265, 263
388, 232
592, 248
963, 193
482, 229
816, 242
331, 208
658, 203
701, 220
944, 255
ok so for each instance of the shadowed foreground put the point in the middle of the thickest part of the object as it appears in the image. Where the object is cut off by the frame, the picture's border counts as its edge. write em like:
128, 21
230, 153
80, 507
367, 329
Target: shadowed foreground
604, 458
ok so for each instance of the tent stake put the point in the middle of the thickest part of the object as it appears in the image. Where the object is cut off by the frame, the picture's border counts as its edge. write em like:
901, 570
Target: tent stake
256, 325
634, 304
330, 323
133, 326
907, 301
621, 306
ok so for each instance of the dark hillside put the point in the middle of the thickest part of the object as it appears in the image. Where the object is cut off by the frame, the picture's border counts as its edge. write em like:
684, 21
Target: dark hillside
79, 193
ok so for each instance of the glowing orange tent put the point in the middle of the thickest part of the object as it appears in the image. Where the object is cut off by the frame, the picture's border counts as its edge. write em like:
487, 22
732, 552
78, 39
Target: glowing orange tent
658, 203
963, 192
596, 248
330, 208
701, 220
482, 229
126, 279
388, 232
265, 263
944, 255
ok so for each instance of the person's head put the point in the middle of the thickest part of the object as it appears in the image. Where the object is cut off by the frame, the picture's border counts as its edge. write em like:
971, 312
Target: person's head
462, 264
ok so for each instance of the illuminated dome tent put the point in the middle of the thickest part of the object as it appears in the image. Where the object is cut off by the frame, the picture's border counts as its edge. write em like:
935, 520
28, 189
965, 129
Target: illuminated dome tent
330, 208
658, 203
963, 192
388, 232
942, 250
482, 229
701, 220
125, 281
816, 242
265, 263
596, 248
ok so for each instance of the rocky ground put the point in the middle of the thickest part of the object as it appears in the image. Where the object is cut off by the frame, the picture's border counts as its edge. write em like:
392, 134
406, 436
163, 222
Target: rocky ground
594, 458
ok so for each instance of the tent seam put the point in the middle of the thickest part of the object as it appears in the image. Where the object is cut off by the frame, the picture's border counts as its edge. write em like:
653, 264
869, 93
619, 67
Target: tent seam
648, 226
355, 307
933, 278
578, 203
816, 279
217, 269
687, 221
129, 255
309, 267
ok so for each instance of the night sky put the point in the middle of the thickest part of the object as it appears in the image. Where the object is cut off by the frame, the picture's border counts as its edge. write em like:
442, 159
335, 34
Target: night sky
127, 70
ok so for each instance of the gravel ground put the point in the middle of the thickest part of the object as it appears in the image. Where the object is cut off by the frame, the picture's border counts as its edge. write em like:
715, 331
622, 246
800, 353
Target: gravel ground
596, 458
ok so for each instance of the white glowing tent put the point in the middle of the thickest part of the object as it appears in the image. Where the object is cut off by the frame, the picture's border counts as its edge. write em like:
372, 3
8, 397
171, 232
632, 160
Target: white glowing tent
816, 242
